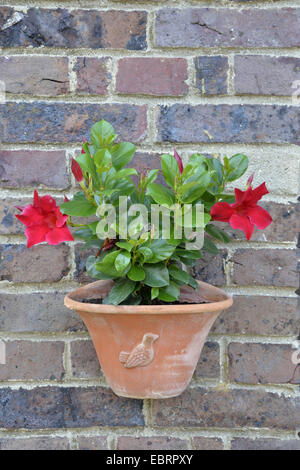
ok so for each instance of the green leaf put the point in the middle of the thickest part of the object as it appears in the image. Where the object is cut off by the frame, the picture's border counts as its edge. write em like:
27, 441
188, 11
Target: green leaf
92, 271
136, 273
146, 252
87, 164
195, 192
84, 233
122, 154
210, 247
156, 276
151, 177
193, 283
217, 233
169, 293
125, 173
154, 293
188, 254
178, 274
78, 207
107, 265
122, 261
170, 169
102, 159
125, 245
102, 133
160, 194
120, 291
161, 250
238, 164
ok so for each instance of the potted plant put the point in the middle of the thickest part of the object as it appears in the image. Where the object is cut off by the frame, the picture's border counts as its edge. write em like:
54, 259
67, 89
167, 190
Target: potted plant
147, 316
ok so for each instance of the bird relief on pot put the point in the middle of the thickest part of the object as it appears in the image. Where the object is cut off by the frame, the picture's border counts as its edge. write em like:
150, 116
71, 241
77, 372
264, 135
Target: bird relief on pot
142, 354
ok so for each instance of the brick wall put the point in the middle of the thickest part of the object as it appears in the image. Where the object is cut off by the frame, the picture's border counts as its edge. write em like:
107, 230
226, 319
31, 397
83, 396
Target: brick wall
164, 73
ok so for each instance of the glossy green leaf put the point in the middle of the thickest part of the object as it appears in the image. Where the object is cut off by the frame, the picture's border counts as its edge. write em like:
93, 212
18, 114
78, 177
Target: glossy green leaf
102, 159
136, 273
160, 250
102, 133
154, 293
161, 194
125, 245
210, 247
122, 154
170, 169
169, 293
122, 260
178, 274
156, 275
217, 233
78, 208
238, 164
120, 291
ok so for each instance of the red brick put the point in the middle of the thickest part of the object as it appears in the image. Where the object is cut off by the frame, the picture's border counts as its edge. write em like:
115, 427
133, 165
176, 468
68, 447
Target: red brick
151, 443
67, 407
34, 443
210, 268
284, 228
263, 75
229, 409
269, 267
239, 443
69, 122
21, 168
92, 443
41, 263
225, 27
85, 363
40, 76
32, 360
209, 363
259, 315
229, 123
207, 443
37, 313
152, 76
63, 28
262, 363
92, 75
211, 74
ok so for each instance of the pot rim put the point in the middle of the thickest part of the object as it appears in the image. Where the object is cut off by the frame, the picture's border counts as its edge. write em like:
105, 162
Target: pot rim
206, 307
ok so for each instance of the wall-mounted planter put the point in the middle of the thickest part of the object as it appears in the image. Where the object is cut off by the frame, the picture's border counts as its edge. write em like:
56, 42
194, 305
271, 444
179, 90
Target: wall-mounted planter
149, 351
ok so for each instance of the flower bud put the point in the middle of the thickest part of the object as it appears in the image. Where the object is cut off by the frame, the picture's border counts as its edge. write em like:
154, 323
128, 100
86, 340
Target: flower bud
179, 161
76, 170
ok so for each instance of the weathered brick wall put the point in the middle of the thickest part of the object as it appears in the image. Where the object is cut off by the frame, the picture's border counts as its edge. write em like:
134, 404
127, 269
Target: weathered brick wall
164, 73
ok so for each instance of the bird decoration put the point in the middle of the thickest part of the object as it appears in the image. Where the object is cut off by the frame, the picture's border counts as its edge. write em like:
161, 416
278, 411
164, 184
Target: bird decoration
142, 354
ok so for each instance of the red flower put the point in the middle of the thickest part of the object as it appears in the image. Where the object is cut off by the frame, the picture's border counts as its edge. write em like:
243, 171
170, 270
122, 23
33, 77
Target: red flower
244, 213
76, 170
44, 222
179, 161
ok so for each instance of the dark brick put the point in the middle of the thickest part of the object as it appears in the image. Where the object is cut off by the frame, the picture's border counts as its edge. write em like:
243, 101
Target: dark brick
277, 267
59, 407
68, 122
229, 123
32, 360
229, 409
151, 443
92, 443
259, 315
34, 443
85, 363
92, 75
263, 75
284, 228
152, 76
225, 27
9, 224
262, 363
63, 28
207, 443
209, 362
81, 255
210, 268
211, 75
41, 263
40, 76
239, 443
21, 168
37, 312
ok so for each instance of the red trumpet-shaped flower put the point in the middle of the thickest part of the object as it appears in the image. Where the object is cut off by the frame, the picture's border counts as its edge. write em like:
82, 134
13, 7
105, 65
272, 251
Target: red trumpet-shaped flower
44, 222
76, 170
179, 161
244, 213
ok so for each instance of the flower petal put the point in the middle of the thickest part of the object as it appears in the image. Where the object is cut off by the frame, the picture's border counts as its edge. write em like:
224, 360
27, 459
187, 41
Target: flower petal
221, 211
60, 218
259, 192
239, 195
179, 161
243, 223
59, 235
259, 216
46, 203
36, 234
31, 216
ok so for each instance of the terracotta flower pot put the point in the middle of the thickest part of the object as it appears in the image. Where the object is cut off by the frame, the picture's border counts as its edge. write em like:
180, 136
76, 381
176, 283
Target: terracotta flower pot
149, 351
